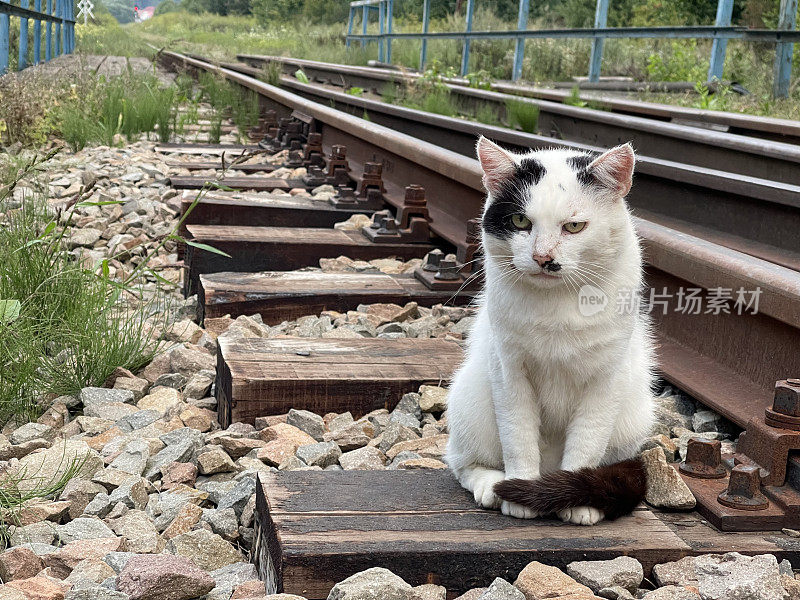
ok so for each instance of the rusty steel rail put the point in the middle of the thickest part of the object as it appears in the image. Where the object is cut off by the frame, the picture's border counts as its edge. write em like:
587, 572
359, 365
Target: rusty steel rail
555, 114
752, 215
729, 362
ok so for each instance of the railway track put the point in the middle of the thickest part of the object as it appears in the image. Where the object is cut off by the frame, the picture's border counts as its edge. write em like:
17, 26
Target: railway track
370, 78
305, 521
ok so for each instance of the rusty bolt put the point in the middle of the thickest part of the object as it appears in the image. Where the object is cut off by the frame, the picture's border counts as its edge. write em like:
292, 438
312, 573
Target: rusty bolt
377, 218
787, 397
432, 260
345, 194
703, 459
314, 139
338, 152
448, 270
415, 195
388, 226
744, 489
473, 231
295, 145
373, 168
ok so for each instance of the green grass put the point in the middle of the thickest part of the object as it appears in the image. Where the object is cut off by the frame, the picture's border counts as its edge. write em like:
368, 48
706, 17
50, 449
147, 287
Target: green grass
73, 327
522, 114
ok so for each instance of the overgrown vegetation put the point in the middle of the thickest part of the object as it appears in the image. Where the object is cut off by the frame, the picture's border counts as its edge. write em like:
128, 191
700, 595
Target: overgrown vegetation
64, 325
85, 108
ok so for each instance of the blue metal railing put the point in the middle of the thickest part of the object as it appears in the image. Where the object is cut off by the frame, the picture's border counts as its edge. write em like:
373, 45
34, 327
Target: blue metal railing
58, 12
784, 37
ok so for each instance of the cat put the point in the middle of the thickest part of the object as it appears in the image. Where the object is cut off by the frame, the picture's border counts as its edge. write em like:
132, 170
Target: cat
550, 407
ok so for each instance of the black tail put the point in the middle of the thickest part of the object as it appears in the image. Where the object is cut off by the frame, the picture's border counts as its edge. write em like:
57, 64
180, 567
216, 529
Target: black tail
615, 489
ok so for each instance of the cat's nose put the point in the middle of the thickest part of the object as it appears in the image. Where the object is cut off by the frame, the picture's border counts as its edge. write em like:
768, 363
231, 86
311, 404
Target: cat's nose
542, 260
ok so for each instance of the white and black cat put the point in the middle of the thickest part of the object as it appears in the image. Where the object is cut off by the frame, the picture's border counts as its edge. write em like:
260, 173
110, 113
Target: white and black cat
553, 401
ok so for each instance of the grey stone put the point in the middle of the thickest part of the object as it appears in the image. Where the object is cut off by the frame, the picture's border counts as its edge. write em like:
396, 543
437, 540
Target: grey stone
307, 421
110, 410
171, 380
95, 592
199, 384
83, 528
132, 493
623, 571
734, 576
139, 531
183, 446
363, 459
500, 589
91, 396
138, 420
349, 437
340, 421
43, 532
376, 583
671, 592
100, 506
207, 550
118, 560
321, 454
224, 522
616, 593
31, 431
237, 497
405, 419
228, 577
394, 433
409, 403
133, 458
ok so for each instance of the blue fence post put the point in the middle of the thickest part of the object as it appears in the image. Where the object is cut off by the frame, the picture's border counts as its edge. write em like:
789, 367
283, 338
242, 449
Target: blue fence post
519, 51
4, 40
465, 51
426, 18
22, 60
364, 21
720, 45
783, 50
48, 31
600, 22
71, 14
37, 34
381, 31
57, 47
389, 11
350, 26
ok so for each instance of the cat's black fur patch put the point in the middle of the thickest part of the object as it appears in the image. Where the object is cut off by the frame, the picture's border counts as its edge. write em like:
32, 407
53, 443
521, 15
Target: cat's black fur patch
580, 164
510, 199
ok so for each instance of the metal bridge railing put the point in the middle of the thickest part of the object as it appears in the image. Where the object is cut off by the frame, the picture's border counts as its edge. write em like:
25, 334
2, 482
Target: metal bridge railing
57, 14
784, 37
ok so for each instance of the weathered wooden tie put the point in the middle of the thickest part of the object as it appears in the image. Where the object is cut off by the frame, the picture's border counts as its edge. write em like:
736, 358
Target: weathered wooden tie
314, 529
253, 182
267, 376
260, 209
253, 249
285, 295
209, 165
231, 150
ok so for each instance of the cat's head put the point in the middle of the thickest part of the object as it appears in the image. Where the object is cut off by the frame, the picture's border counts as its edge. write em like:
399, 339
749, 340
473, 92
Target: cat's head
554, 217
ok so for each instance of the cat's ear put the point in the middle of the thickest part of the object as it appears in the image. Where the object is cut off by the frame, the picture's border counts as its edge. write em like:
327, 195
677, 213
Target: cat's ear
498, 165
614, 169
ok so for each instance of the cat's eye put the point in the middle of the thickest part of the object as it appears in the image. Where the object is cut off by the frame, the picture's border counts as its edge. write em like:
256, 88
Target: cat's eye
520, 221
574, 226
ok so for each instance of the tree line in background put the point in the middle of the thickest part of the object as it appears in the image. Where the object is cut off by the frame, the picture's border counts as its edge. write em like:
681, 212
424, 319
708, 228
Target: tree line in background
549, 13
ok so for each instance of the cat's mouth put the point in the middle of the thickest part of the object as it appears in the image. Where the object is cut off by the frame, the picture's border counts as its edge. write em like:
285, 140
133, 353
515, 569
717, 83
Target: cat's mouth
544, 275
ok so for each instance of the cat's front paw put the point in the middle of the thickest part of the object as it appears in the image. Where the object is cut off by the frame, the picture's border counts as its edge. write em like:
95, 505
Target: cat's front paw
581, 515
517, 510
484, 489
